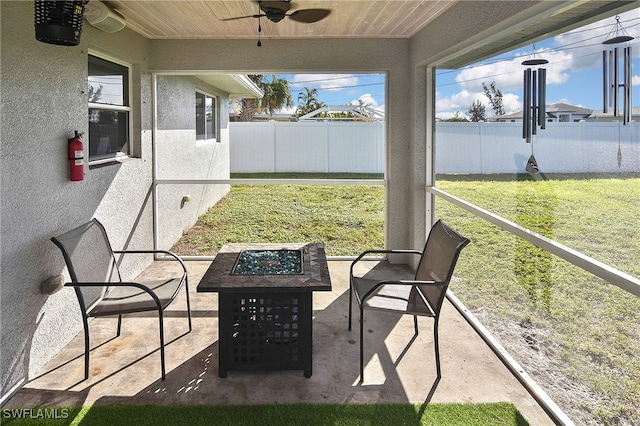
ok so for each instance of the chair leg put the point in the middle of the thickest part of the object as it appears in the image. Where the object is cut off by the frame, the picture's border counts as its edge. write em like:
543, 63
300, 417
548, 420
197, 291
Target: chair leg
119, 325
161, 327
350, 301
415, 324
436, 346
85, 322
186, 288
361, 344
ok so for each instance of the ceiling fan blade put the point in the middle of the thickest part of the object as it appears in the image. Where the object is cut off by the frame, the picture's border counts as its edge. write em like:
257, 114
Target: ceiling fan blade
242, 17
309, 16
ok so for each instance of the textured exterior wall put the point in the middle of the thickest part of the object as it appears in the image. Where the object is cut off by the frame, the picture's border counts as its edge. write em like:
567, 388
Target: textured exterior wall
44, 99
180, 156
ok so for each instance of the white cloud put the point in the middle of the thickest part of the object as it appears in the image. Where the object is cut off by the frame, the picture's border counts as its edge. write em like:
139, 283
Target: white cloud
577, 50
587, 41
367, 100
510, 102
508, 74
462, 100
330, 82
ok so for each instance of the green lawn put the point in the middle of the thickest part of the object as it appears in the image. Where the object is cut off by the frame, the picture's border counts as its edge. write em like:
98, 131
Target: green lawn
499, 414
568, 322
589, 328
347, 219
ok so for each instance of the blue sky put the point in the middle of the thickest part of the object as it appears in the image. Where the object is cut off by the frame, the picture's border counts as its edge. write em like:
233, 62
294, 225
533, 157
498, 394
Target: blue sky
574, 74
339, 89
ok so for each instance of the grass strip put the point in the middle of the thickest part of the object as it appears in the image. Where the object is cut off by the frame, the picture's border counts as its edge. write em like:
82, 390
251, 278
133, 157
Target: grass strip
279, 414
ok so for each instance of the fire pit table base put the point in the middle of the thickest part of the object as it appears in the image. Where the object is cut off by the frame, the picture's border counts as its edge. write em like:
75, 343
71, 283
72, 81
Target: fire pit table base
265, 304
265, 331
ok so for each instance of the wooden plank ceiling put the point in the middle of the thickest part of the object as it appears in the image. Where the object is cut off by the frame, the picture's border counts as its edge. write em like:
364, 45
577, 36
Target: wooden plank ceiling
348, 18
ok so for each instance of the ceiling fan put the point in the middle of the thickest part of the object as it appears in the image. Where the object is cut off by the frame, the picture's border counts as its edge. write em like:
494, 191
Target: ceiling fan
276, 11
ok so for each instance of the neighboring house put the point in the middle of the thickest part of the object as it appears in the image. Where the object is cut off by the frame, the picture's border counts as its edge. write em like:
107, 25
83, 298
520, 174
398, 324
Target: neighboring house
598, 115
555, 113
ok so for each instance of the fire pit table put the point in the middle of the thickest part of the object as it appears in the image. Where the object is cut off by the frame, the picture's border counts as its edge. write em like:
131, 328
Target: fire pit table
265, 304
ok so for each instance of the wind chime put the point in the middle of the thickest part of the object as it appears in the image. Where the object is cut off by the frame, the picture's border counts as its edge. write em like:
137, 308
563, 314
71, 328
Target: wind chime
534, 111
611, 84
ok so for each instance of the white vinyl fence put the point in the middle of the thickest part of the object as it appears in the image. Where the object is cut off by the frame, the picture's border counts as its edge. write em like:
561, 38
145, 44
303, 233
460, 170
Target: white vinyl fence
471, 148
586, 147
320, 147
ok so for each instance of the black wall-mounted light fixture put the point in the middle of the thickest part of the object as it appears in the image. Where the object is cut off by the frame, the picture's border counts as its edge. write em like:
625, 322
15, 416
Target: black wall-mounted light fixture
59, 22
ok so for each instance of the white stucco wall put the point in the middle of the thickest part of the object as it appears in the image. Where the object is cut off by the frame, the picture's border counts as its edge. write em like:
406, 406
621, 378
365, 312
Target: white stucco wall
180, 156
44, 99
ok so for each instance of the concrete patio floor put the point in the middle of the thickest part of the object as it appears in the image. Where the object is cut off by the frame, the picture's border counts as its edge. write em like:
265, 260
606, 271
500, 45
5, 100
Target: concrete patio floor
399, 368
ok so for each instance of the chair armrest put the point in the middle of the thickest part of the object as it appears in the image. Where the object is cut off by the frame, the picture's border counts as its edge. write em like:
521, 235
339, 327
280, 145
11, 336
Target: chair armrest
169, 253
402, 282
362, 300
117, 284
388, 251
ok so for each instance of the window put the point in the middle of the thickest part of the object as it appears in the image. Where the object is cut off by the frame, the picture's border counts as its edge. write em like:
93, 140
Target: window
108, 109
206, 117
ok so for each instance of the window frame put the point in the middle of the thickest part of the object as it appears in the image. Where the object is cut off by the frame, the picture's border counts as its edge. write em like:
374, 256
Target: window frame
126, 109
215, 134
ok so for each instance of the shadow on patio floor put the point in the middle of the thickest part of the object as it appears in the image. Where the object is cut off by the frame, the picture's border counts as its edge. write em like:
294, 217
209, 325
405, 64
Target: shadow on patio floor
399, 367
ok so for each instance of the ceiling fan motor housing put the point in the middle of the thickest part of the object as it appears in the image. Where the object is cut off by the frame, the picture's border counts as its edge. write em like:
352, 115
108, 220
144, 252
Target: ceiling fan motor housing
273, 14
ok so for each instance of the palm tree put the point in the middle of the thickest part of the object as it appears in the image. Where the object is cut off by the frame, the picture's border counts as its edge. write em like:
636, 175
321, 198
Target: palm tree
308, 102
276, 95
249, 106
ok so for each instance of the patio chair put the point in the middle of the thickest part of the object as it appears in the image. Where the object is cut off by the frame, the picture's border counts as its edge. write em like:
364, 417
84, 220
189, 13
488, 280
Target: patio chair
99, 287
423, 295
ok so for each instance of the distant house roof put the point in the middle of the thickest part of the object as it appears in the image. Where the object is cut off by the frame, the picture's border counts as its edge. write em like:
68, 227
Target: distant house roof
552, 111
566, 108
598, 114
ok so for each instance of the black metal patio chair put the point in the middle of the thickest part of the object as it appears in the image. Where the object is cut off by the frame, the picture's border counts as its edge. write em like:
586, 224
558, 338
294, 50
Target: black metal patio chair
424, 295
99, 286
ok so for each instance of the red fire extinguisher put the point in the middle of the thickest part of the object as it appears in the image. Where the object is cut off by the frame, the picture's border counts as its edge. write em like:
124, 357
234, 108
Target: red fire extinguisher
76, 158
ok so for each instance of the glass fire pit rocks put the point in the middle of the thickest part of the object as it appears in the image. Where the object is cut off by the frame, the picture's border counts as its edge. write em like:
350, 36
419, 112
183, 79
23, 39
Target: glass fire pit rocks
269, 262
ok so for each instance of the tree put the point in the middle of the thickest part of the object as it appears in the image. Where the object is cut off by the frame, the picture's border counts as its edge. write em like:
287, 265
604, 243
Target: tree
276, 95
308, 102
249, 106
495, 98
95, 93
477, 112
456, 117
